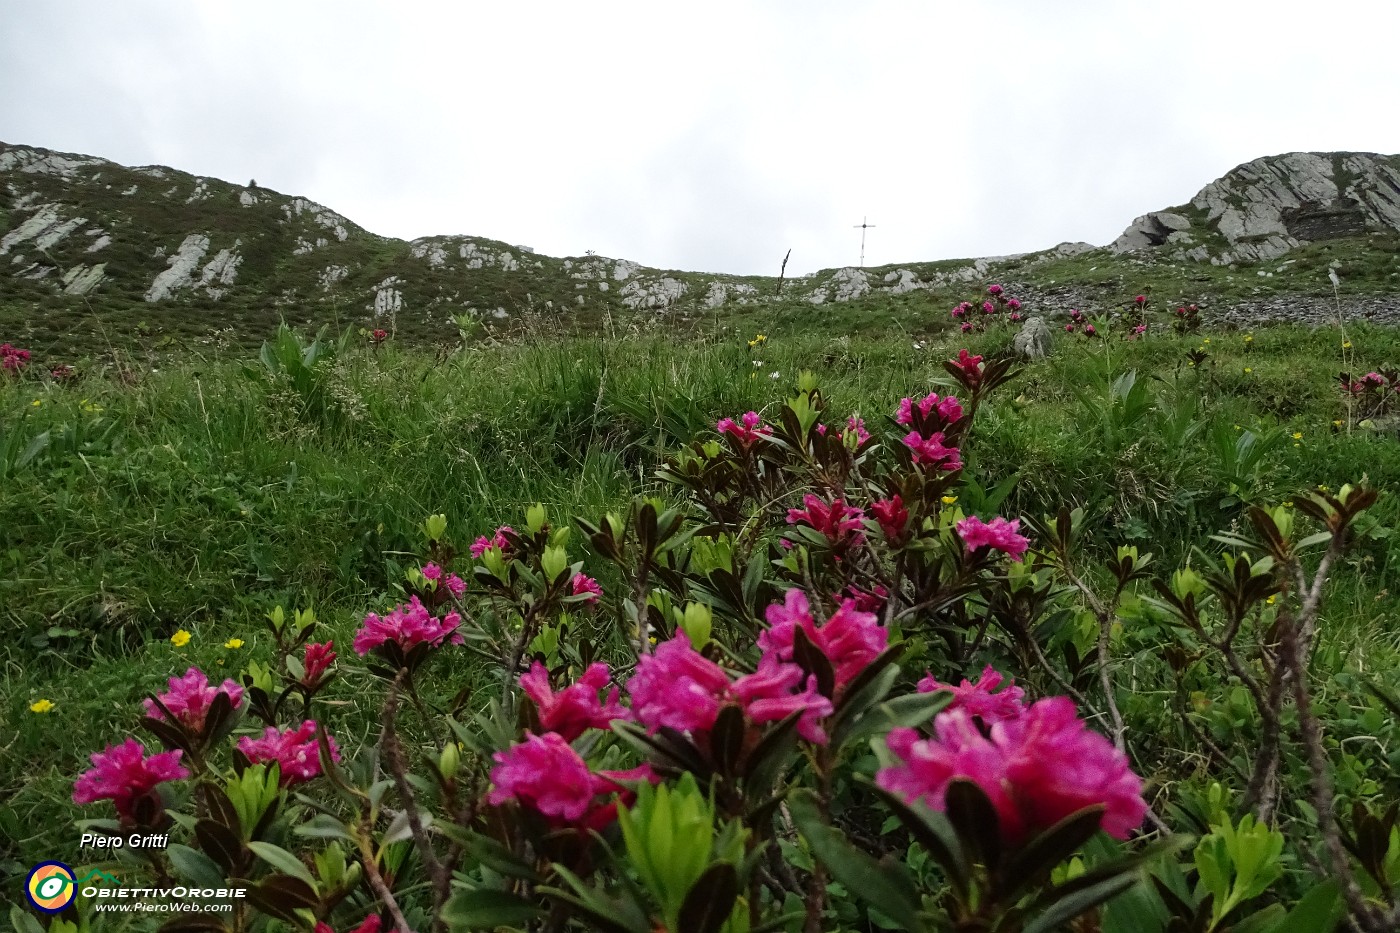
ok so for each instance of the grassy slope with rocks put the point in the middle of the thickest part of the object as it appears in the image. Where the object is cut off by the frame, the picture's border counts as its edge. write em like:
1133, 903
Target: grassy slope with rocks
305, 263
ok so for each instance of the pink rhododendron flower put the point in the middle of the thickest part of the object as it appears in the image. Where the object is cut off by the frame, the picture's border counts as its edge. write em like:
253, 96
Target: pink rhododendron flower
407, 625
949, 409
967, 328
930, 451
582, 584
892, 517
546, 774
998, 533
497, 540
1069, 328
318, 660
767, 696
837, 520
1373, 380
431, 572
576, 708
295, 751
1036, 769
971, 367
748, 429
850, 639
13, 358
123, 774
978, 699
994, 289
190, 697
371, 924
988, 307
1013, 304
456, 586
867, 600
1140, 300
1015, 316
677, 687
857, 425
1089, 330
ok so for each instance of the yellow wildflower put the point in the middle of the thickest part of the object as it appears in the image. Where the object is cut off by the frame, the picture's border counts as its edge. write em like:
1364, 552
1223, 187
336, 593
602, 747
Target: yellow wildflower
41, 706
1271, 600
234, 643
180, 639
1297, 435
1248, 338
949, 500
37, 402
1206, 340
1346, 345
1247, 370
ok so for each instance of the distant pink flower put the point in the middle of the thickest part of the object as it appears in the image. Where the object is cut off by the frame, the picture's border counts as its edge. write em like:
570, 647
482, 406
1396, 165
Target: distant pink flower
497, 540
971, 367
546, 774
931, 451
575, 709
958, 311
407, 625
13, 358
456, 586
1140, 300
190, 697
993, 289
988, 307
317, 661
1069, 328
837, 520
378, 336
785, 544
978, 699
967, 328
677, 687
1373, 380
371, 924
584, 585
998, 533
431, 572
1036, 769
1089, 330
747, 430
1013, 304
857, 425
297, 755
63, 373
892, 517
123, 774
850, 639
1015, 316
949, 409
867, 600
767, 696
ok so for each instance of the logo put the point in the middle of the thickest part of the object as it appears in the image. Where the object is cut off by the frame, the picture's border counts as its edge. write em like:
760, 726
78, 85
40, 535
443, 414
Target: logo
50, 886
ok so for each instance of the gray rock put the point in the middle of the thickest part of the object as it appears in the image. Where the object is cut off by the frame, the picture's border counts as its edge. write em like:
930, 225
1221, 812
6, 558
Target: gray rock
1033, 340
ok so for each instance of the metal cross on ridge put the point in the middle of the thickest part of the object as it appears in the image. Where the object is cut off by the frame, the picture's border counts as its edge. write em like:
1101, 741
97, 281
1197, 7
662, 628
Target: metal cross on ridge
863, 227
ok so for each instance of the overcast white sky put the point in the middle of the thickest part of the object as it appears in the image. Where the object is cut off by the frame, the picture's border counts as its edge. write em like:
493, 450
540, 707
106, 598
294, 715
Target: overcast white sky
709, 136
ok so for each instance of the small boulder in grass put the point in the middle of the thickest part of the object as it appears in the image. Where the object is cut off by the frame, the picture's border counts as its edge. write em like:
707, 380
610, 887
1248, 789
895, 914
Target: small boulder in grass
1032, 342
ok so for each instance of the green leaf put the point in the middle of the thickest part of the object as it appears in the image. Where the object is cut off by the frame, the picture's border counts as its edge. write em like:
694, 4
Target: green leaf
324, 826
487, 909
711, 900
1320, 911
23, 921
932, 831
1040, 855
282, 860
1078, 902
195, 866
975, 819
889, 890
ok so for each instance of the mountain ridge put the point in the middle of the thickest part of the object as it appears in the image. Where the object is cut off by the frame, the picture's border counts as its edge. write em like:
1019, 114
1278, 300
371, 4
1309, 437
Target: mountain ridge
79, 232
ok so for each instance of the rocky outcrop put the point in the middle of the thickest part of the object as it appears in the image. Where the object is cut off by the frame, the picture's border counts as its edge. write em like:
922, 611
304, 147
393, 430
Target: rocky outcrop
1265, 208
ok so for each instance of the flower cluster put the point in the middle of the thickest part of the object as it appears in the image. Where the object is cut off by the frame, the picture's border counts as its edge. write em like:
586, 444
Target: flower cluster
998, 534
124, 774
850, 639
748, 429
980, 699
407, 625
854, 426
577, 708
438, 577
1079, 324
1035, 767
497, 540
190, 697
294, 750
931, 419
12, 359
315, 664
587, 587
1187, 319
1374, 392
839, 522
973, 316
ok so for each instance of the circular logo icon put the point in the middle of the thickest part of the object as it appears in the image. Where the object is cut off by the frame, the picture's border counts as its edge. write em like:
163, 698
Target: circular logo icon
50, 886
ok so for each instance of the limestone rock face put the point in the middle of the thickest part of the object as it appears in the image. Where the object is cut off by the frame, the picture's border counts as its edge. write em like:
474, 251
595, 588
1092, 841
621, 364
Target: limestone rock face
1032, 342
1262, 209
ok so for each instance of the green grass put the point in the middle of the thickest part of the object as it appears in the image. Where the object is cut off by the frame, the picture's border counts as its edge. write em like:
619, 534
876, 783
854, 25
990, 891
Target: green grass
203, 493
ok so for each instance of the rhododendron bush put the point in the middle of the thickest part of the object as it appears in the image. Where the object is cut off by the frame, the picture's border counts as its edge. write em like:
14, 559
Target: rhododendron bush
816, 681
